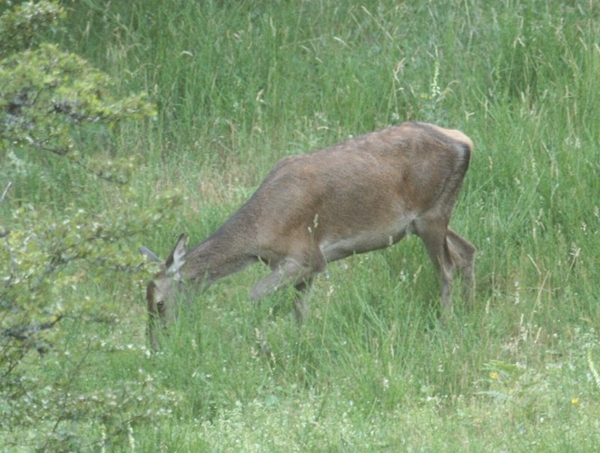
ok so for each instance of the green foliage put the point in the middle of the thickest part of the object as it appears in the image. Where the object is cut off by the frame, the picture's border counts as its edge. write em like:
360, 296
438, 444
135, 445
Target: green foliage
23, 26
46, 83
46, 93
44, 257
50, 101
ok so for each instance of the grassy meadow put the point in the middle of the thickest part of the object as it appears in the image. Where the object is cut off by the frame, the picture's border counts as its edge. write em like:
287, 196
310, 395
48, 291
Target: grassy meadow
241, 84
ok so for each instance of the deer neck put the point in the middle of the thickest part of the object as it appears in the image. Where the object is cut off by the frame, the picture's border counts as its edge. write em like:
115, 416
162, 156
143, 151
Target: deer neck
224, 252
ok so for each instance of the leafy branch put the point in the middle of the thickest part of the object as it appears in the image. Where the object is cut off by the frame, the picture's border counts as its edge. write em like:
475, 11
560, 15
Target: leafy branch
45, 94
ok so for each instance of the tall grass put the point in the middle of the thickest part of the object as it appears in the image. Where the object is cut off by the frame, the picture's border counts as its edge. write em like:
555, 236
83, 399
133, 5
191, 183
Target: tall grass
242, 84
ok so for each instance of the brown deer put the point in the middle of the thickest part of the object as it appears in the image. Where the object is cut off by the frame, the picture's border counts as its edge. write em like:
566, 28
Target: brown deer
361, 195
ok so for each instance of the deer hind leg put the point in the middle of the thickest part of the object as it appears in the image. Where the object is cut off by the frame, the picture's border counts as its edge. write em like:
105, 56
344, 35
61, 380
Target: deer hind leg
433, 235
463, 253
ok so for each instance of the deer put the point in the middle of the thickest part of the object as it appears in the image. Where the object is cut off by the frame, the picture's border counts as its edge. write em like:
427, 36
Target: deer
364, 194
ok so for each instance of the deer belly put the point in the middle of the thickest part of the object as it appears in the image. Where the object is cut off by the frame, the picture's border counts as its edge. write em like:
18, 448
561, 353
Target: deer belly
338, 248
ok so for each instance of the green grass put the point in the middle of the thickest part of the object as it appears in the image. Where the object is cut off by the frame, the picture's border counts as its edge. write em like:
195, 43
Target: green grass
240, 85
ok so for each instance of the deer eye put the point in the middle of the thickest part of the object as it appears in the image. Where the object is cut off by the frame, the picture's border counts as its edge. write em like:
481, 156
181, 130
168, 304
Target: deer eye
160, 305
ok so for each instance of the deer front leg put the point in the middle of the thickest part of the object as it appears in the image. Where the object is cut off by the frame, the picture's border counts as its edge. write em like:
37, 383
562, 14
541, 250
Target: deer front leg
301, 310
292, 272
287, 273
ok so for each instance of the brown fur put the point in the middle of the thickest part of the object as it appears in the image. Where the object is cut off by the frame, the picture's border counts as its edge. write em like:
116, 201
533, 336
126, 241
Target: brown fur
361, 195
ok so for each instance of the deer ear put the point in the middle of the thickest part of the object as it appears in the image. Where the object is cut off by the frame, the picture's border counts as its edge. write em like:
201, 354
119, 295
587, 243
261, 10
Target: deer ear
149, 254
176, 257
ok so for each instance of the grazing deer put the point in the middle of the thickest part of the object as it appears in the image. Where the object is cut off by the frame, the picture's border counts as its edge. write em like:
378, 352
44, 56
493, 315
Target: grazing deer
361, 195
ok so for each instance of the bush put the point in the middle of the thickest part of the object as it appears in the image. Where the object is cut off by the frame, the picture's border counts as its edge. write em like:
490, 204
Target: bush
49, 100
